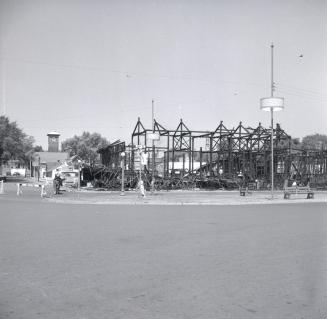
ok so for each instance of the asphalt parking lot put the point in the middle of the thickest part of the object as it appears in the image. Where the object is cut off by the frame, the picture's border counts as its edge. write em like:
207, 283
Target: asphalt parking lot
161, 261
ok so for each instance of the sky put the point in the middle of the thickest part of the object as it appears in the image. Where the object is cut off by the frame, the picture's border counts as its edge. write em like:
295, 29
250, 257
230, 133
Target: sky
72, 66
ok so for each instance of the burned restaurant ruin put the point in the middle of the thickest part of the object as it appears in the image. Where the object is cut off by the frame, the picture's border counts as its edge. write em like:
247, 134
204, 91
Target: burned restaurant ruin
183, 158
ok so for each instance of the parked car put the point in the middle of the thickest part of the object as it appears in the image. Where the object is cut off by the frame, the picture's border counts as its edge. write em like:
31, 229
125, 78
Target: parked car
3, 178
70, 178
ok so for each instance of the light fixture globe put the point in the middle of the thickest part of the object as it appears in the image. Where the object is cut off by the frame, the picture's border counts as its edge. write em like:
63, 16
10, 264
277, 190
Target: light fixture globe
272, 103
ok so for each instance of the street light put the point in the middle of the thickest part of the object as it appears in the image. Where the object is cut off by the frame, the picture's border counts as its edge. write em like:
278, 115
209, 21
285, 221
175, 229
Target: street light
154, 137
122, 163
272, 104
152, 179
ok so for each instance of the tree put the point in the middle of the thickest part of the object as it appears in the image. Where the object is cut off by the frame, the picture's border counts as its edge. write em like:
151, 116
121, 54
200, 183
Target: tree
14, 143
85, 146
315, 141
38, 148
295, 143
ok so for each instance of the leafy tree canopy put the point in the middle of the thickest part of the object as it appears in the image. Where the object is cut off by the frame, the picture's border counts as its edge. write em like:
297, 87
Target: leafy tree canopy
315, 141
14, 143
296, 143
85, 146
38, 148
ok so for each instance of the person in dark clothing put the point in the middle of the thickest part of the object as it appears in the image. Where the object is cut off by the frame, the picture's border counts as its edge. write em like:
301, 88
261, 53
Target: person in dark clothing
57, 182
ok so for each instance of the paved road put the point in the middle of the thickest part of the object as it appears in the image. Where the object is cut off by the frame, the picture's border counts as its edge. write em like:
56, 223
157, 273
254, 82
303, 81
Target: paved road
107, 261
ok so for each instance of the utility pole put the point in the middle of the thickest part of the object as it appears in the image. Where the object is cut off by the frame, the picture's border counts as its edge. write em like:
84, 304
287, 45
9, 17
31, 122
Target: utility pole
272, 121
3, 86
272, 70
153, 152
122, 163
272, 104
39, 169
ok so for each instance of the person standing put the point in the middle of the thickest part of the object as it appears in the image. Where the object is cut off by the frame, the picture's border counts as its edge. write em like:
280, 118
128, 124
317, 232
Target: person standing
141, 188
57, 182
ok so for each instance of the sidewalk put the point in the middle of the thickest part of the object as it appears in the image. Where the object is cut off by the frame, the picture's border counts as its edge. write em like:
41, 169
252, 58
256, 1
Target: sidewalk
176, 197
195, 197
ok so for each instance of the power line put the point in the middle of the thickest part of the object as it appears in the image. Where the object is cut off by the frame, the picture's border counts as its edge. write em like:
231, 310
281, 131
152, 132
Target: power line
303, 95
301, 90
130, 74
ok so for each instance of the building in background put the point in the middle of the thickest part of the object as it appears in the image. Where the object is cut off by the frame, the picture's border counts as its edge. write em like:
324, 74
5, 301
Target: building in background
53, 142
45, 163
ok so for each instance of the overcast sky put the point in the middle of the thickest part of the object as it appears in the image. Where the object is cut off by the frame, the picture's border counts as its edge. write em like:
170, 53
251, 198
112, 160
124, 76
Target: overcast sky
72, 66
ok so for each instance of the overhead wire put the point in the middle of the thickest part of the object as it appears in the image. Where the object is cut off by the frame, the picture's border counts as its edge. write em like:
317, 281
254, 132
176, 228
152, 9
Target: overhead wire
130, 73
302, 89
303, 95
302, 92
